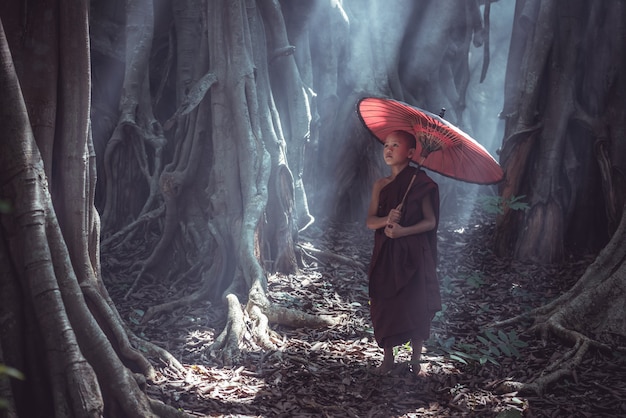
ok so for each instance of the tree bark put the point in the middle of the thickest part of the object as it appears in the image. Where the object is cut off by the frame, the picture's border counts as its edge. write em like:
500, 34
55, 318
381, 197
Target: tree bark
576, 319
222, 114
240, 121
560, 114
52, 262
250, 105
555, 128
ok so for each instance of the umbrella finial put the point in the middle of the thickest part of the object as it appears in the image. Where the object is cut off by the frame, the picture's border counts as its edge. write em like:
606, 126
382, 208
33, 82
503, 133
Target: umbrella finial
442, 112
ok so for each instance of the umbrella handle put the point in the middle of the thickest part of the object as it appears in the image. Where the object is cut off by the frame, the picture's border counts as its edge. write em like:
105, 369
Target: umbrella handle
399, 207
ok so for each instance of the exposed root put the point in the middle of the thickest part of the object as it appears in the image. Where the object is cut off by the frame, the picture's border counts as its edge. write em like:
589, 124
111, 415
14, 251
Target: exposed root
260, 313
566, 368
514, 320
192, 99
165, 411
261, 330
201, 294
602, 282
563, 368
155, 351
227, 343
286, 316
127, 232
316, 254
211, 280
298, 319
108, 315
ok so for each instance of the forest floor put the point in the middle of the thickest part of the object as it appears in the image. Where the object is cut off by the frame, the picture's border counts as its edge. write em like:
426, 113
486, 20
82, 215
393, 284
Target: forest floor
328, 372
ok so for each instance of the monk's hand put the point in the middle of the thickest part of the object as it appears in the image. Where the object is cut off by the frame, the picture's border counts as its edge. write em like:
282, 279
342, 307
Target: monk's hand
394, 216
394, 230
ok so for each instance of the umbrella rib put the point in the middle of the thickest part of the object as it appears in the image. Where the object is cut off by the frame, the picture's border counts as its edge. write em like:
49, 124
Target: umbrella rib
451, 152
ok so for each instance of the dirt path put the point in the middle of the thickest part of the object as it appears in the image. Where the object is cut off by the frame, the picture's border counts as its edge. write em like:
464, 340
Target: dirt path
327, 372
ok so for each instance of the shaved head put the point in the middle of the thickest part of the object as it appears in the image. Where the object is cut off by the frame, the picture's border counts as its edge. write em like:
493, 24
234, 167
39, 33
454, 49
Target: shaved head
407, 137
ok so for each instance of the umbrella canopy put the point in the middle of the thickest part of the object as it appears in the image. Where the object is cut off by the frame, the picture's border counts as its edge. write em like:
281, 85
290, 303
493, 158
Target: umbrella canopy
441, 146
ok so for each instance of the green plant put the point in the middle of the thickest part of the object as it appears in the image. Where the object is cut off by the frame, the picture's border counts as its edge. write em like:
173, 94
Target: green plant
5, 206
439, 316
475, 280
446, 285
10, 372
488, 349
521, 294
507, 343
498, 204
511, 412
406, 346
136, 315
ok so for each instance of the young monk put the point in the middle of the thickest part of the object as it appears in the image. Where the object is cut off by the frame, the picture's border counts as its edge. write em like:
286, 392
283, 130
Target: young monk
403, 285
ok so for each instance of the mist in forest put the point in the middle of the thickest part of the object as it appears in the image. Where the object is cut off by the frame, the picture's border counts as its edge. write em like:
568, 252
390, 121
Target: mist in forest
483, 100
484, 106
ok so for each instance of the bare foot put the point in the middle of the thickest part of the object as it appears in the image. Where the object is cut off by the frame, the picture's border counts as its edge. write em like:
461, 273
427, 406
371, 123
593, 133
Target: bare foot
384, 368
387, 364
420, 370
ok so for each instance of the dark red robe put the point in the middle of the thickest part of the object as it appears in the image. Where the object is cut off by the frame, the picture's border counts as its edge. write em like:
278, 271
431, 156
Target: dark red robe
403, 284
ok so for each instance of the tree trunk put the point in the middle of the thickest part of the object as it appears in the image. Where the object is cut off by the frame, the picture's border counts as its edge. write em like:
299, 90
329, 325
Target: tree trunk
576, 319
561, 113
230, 199
50, 262
208, 127
423, 60
564, 112
245, 119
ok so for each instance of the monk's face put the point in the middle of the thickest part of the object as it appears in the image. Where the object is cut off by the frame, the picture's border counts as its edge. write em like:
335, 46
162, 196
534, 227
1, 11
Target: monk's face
397, 150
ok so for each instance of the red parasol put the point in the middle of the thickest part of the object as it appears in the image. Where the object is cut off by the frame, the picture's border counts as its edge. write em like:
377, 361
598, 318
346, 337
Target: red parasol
441, 146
